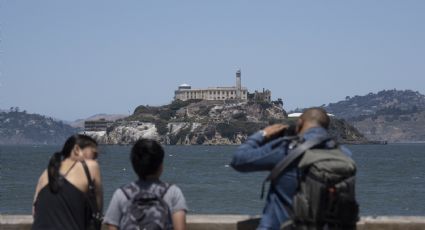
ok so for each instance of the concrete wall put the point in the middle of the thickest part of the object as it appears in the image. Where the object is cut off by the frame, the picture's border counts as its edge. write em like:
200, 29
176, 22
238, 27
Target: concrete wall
241, 222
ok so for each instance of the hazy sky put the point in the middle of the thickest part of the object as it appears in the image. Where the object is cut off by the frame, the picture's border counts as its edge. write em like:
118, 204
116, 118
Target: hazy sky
73, 59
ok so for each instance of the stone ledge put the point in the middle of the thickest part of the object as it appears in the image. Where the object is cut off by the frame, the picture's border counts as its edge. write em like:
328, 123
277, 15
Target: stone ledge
245, 222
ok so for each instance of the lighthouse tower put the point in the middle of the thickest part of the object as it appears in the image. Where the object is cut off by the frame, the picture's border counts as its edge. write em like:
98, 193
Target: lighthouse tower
238, 84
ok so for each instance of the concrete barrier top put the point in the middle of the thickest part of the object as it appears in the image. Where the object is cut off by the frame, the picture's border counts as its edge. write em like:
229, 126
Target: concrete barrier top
245, 222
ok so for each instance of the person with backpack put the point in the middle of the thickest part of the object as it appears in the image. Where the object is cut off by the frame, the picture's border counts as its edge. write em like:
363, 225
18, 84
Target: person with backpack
148, 203
311, 177
69, 192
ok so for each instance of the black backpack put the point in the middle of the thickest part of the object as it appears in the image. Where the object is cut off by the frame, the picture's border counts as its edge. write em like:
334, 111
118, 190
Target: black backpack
326, 190
146, 208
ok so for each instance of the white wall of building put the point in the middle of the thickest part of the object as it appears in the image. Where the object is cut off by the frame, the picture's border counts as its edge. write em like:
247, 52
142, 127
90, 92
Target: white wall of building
210, 94
185, 92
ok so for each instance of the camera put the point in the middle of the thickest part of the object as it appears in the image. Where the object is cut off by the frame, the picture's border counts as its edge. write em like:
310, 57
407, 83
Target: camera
291, 130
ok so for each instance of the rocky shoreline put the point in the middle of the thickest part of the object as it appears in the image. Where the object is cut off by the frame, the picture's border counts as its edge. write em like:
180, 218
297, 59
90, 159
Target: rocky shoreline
207, 123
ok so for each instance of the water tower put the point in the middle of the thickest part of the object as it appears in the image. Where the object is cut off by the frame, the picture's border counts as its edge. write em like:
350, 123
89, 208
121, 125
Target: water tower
238, 84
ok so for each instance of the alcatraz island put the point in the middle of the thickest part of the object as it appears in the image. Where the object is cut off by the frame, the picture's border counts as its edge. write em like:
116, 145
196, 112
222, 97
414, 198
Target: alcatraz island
209, 116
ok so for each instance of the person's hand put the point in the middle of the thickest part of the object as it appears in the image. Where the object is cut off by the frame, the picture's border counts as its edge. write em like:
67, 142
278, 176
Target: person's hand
273, 131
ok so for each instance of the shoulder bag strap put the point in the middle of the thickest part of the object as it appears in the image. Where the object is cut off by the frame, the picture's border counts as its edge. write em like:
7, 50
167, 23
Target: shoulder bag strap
87, 172
92, 189
291, 157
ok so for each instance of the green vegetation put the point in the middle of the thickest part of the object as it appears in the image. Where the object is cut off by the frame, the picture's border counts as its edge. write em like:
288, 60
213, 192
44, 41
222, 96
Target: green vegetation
163, 113
200, 140
146, 109
386, 102
161, 127
230, 129
344, 132
289, 121
209, 131
166, 114
262, 104
204, 110
23, 128
178, 104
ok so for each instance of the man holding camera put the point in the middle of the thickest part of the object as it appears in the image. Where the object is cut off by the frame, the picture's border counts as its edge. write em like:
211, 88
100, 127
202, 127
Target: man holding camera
266, 148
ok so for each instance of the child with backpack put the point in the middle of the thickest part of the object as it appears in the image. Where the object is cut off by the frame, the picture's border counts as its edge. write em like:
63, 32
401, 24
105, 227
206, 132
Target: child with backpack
147, 203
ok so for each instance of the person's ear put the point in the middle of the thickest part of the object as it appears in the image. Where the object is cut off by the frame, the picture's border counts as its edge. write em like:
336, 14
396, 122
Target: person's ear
76, 151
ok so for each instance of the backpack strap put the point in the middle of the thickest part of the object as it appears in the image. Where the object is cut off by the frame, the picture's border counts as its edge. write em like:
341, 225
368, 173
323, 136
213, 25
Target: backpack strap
167, 186
129, 190
125, 193
128, 196
291, 157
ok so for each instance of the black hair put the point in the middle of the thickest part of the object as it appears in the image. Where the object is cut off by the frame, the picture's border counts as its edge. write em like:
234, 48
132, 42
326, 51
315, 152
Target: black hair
82, 141
146, 157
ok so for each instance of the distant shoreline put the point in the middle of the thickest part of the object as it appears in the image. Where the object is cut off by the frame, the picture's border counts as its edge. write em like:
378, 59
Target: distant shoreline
344, 143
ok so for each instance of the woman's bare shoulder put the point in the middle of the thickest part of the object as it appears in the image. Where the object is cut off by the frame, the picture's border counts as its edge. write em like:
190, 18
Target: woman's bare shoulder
92, 164
93, 167
43, 179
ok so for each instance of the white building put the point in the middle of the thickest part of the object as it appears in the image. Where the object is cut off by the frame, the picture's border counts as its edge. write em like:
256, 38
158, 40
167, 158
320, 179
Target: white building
299, 115
294, 115
185, 92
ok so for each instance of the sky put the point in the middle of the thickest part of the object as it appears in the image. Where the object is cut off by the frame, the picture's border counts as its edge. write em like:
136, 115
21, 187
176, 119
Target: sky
74, 59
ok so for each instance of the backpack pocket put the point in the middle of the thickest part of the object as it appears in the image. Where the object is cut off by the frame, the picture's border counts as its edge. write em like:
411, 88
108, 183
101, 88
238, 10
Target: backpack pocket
309, 202
344, 207
301, 206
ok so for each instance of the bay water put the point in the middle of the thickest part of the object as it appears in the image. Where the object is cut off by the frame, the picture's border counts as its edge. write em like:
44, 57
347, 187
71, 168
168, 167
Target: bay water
390, 181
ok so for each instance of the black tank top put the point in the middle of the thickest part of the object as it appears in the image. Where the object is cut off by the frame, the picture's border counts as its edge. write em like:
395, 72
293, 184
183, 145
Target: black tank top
66, 209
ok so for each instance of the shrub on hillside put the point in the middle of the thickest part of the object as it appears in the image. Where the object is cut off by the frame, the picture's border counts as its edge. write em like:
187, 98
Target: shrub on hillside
161, 127
229, 130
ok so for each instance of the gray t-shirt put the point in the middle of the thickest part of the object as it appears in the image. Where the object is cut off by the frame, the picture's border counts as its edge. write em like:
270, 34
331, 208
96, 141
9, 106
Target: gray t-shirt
173, 197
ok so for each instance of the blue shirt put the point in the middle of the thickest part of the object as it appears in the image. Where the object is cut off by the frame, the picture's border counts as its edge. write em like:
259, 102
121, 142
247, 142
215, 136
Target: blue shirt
256, 155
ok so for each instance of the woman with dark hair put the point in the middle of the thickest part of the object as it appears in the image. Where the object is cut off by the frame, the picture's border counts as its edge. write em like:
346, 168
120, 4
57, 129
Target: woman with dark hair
147, 203
61, 196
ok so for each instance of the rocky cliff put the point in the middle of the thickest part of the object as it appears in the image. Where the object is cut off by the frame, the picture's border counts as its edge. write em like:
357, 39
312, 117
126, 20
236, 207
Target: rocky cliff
206, 123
